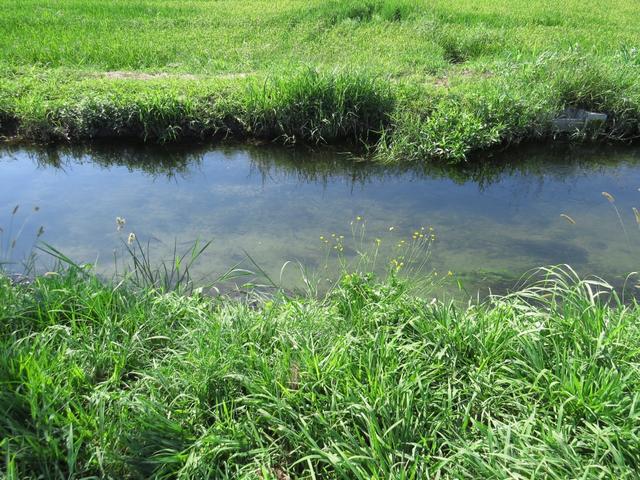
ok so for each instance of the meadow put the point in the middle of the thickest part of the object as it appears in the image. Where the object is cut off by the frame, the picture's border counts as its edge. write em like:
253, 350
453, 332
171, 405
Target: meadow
401, 80
106, 380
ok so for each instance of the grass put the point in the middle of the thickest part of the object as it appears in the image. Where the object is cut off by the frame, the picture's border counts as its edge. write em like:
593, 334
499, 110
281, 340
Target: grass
403, 79
109, 381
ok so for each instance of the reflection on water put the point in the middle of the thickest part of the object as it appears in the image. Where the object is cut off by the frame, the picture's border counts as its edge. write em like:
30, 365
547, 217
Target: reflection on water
494, 220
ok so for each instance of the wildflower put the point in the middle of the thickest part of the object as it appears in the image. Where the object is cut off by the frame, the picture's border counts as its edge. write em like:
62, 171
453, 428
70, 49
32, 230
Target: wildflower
378, 241
358, 218
120, 223
132, 238
396, 264
321, 237
391, 229
450, 273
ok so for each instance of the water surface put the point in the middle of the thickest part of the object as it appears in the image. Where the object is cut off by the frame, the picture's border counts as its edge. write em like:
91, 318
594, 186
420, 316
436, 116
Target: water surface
492, 222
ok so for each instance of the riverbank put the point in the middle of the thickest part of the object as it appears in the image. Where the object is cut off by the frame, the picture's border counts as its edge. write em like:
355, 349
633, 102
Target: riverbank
100, 380
401, 80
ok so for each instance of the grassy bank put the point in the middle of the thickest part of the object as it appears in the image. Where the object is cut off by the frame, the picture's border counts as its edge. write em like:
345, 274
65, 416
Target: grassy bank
100, 381
414, 80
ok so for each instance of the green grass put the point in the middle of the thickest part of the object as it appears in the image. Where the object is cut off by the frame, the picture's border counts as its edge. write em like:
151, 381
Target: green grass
407, 79
103, 381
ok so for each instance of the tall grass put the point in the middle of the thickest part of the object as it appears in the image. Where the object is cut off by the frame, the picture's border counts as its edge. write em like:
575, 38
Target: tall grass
320, 107
334, 12
369, 382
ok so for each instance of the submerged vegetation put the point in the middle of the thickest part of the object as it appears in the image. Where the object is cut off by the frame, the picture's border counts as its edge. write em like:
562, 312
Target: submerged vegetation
410, 80
112, 381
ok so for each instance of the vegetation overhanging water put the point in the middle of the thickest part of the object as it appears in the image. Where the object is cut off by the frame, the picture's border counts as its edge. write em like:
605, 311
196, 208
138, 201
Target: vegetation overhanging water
487, 223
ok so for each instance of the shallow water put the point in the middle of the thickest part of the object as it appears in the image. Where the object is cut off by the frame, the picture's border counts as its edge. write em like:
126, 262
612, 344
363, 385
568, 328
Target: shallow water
492, 223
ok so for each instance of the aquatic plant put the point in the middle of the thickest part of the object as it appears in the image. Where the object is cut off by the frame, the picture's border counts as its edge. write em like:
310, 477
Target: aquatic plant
405, 253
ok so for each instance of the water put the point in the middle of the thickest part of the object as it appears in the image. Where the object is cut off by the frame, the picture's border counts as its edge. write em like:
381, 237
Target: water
492, 224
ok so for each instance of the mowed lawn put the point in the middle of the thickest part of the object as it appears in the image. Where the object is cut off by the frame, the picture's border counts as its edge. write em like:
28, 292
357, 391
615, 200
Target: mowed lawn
442, 78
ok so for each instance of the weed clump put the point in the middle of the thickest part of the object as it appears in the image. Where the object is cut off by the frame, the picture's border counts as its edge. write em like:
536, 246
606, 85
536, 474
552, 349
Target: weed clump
320, 107
334, 12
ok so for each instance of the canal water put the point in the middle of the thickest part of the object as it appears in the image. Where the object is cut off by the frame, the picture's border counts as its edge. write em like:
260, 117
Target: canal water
480, 227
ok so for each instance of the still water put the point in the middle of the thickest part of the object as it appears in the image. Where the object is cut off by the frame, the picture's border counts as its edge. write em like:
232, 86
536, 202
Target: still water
492, 221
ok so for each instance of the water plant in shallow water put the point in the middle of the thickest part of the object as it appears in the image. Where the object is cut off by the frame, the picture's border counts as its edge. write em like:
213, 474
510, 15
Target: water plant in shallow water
399, 252
173, 274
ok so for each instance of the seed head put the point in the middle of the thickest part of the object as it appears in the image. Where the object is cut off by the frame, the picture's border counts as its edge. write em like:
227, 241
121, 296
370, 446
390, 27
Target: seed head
608, 196
568, 218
